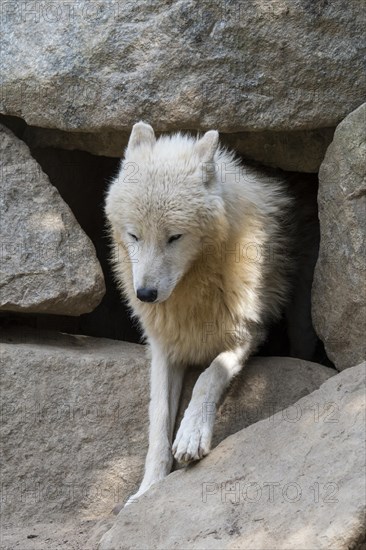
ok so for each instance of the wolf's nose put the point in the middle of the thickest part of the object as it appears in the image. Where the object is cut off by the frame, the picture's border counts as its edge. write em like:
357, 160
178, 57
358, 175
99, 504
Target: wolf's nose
147, 294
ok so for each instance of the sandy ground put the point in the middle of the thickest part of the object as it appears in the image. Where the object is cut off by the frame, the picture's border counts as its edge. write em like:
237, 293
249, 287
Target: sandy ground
77, 535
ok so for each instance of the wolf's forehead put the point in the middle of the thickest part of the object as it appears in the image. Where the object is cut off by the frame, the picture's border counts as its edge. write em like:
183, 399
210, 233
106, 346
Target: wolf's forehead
169, 171
159, 213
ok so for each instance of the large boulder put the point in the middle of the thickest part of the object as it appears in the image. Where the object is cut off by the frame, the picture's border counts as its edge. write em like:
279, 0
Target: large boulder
339, 291
48, 264
300, 151
74, 433
236, 66
297, 151
265, 386
294, 480
75, 426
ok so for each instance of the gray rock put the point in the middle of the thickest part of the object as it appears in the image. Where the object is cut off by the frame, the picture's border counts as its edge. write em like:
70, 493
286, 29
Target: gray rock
107, 143
339, 294
265, 386
48, 264
301, 151
294, 480
298, 151
75, 425
241, 66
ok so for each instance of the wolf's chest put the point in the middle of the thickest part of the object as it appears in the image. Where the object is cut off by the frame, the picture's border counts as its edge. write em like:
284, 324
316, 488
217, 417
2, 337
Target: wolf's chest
194, 329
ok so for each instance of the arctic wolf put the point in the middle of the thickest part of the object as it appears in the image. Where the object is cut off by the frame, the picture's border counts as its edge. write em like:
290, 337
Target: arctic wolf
201, 253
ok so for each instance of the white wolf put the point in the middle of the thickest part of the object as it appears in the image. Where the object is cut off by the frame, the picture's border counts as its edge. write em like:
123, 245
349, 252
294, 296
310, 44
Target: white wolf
201, 253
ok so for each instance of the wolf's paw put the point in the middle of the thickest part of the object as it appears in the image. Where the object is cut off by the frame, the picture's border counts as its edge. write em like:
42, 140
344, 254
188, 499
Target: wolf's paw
193, 439
133, 498
142, 490
136, 496
118, 507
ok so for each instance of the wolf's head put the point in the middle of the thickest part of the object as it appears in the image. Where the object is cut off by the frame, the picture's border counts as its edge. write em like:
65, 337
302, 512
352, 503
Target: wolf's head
164, 203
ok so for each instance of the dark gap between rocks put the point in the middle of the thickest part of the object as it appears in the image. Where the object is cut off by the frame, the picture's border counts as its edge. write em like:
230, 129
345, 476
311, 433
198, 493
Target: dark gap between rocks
82, 179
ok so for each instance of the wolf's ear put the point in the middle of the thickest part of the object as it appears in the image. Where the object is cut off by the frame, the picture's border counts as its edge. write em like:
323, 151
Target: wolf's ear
207, 145
142, 134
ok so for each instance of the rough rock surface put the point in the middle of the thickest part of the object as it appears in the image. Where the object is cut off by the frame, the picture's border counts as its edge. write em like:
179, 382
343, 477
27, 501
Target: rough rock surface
294, 480
74, 432
300, 151
48, 264
238, 66
265, 386
339, 290
75, 426
75, 409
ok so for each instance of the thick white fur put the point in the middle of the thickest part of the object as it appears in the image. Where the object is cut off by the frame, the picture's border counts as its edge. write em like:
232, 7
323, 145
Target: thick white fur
218, 285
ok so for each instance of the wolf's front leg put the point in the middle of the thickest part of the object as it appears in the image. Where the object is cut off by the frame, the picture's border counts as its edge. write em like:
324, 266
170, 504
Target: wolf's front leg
165, 389
193, 439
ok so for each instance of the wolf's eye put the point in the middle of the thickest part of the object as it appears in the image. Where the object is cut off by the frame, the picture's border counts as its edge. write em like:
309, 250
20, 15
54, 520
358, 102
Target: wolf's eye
174, 238
133, 236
